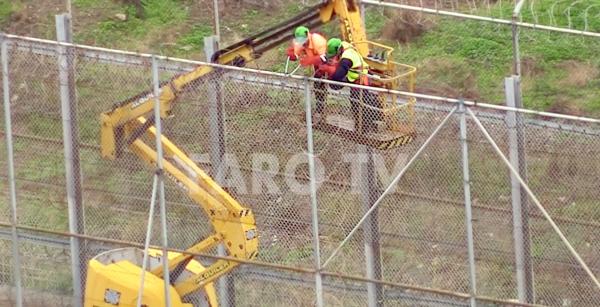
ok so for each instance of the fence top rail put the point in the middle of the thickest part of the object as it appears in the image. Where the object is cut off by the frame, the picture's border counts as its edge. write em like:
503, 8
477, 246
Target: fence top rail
297, 78
34, 234
480, 18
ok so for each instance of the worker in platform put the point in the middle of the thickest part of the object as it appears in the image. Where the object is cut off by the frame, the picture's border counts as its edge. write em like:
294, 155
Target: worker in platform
350, 67
310, 49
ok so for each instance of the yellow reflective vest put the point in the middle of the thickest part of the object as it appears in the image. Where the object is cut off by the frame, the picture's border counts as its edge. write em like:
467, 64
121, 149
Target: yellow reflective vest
359, 66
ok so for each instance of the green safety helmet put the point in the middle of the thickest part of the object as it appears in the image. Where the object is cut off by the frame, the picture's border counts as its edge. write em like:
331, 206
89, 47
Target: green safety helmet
333, 46
301, 35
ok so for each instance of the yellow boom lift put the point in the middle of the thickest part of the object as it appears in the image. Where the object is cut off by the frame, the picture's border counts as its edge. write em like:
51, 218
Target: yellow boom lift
113, 277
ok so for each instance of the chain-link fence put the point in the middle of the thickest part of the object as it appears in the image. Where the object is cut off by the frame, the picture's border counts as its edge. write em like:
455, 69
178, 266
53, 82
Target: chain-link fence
441, 228
465, 48
462, 48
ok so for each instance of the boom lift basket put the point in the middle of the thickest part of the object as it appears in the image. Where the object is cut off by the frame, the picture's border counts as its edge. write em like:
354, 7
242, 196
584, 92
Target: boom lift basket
392, 113
113, 276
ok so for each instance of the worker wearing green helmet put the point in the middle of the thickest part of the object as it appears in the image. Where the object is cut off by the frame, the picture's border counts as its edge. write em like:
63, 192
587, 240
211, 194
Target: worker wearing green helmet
352, 68
311, 49
301, 35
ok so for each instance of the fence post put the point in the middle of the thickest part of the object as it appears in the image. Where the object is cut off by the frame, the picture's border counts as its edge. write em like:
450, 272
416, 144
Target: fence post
536, 201
515, 44
69, 7
362, 12
217, 25
313, 195
147, 240
371, 235
217, 158
72, 160
11, 173
161, 181
515, 38
390, 186
468, 212
521, 236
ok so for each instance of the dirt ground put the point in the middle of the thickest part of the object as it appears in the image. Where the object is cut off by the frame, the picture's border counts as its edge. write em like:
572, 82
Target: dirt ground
32, 298
34, 18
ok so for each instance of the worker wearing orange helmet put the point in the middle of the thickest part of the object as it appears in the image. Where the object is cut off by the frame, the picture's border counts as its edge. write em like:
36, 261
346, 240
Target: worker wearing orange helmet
311, 49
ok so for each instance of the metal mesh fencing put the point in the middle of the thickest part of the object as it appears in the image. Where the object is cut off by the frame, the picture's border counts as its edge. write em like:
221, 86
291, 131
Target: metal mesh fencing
45, 286
491, 191
549, 258
36, 124
262, 286
455, 57
249, 131
115, 206
276, 181
5, 208
551, 163
562, 78
7, 293
351, 292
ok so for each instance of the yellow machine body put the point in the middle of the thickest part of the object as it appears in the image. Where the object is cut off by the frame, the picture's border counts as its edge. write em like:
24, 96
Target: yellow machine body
397, 124
115, 275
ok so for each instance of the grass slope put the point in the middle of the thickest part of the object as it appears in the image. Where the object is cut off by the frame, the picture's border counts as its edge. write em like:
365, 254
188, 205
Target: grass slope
470, 59
454, 57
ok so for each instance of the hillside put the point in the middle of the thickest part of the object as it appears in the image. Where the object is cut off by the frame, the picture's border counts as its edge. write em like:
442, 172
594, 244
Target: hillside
422, 239
454, 57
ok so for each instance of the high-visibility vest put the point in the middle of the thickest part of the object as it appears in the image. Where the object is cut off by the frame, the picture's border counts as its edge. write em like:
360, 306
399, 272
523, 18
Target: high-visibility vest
359, 66
317, 45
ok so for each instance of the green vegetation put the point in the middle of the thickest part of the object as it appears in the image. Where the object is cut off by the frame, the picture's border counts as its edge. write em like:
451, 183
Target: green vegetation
195, 38
37, 211
159, 16
470, 59
454, 58
6, 8
373, 23
43, 168
82, 4
43, 126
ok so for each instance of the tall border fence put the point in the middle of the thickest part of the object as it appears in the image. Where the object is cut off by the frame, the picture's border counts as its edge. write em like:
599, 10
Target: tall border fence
486, 205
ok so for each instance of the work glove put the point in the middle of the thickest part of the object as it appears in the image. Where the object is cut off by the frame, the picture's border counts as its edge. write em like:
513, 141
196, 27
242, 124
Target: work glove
311, 60
327, 69
290, 53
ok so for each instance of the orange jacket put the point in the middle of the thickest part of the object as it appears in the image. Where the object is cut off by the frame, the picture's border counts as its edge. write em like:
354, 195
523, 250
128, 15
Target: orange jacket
316, 45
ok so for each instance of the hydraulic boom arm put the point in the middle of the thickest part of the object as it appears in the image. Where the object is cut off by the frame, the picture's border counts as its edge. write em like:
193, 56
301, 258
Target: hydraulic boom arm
129, 122
237, 54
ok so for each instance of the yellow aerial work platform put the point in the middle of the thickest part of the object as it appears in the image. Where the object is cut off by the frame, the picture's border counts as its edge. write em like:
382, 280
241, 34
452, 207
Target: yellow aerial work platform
395, 113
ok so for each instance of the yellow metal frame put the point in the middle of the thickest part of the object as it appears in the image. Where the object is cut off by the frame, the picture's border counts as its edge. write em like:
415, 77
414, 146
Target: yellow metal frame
234, 224
397, 115
399, 110
102, 278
